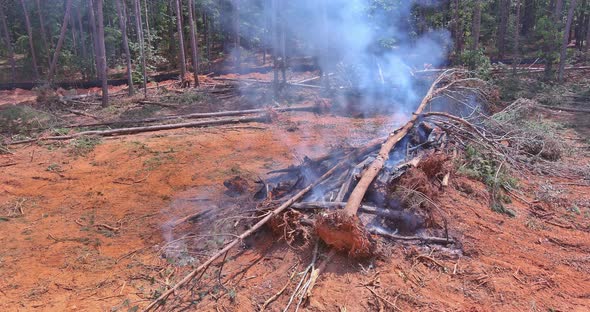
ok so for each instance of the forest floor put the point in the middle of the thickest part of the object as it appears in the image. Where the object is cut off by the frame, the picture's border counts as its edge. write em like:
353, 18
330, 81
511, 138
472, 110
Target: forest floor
85, 225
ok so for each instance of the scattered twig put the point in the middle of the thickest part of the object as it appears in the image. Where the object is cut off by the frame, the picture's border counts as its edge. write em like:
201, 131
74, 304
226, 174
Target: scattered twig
277, 295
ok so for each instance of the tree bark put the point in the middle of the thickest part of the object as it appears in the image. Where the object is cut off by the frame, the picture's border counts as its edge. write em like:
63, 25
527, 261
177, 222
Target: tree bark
207, 31
476, 24
122, 13
182, 57
31, 42
102, 49
557, 11
458, 28
283, 41
8, 40
147, 23
60, 41
134, 130
139, 30
587, 46
566, 36
236, 19
42, 23
529, 19
194, 42
274, 44
516, 51
504, 8
82, 40
93, 27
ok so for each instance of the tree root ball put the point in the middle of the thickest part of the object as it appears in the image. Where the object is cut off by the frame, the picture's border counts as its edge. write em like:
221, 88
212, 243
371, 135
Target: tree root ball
345, 233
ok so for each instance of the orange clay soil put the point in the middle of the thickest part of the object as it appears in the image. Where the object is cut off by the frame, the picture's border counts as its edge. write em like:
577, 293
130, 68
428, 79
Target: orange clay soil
91, 230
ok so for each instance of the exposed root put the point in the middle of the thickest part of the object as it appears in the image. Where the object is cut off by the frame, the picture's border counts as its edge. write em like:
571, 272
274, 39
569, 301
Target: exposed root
288, 225
434, 165
345, 233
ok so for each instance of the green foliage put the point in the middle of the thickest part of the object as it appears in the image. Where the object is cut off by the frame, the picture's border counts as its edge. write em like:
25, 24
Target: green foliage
548, 38
187, 98
83, 145
481, 165
477, 61
24, 120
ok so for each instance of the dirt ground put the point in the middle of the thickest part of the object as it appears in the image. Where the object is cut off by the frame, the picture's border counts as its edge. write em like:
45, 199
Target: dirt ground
86, 231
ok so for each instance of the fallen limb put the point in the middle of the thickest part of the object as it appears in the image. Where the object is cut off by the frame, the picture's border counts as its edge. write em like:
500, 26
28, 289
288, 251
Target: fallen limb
358, 193
200, 115
268, 82
426, 239
125, 131
80, 113
158, 104
277, 295
188, 218
566, 109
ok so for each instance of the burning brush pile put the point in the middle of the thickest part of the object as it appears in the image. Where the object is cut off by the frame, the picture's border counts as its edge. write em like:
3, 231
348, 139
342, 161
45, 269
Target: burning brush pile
383, 189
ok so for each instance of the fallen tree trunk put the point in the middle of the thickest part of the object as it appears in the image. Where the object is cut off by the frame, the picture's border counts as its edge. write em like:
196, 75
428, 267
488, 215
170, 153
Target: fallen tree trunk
201, 115
566, 109
125, 131
269, 82
358, 193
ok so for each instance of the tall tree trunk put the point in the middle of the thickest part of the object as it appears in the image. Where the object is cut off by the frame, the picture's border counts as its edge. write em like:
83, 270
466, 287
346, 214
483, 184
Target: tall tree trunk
182, 58
236, 18
122, 13
210, 38
458, 29
275, 48
82, 39
139, 29
529, 16
172, 44
566, 37
194, 42
283, 41
557, 11
504, 8
31, 42
62, 36
587, 46
206, 32
95, 39
8, 41
72, 23
103, 53
516, 52
42, 23
476, 24
147, 23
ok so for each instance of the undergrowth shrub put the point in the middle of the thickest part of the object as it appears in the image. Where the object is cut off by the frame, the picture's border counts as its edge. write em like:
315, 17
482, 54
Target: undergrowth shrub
481, 165
24, 120
83, 145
